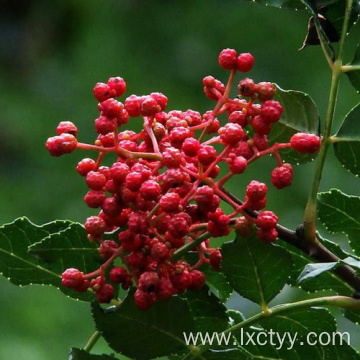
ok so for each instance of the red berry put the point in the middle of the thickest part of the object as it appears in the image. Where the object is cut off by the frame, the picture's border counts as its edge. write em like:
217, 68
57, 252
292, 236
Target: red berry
103, 92
85, 166
243, 227
111, 108
231, 134
149, 107
256, 190
265, 90
238, 165
67, 127
133, 181
266, 220
111, 206
181, 281
215, 259
238, 117
159, 252
119, 171
118, 275
95, 180
170, 202
72, 278
150, 190
95, 225
197, 280
267, 236
260, 126
261, 142
161, 99
178, 135
138, 223
171, 157
206, 154
246, 87
148, 281
271, 111
245, 62
166, 289
305, 143
62, 144
144, 300
107, 249
209, 81
227, 59
282, 176
118, 85
105, 294
104, 125
94, 198
133, 105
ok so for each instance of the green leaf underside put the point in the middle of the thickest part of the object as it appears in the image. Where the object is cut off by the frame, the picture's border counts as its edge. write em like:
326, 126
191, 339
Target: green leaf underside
20, 267
299, 115
340, 213
347, 150
79, 354
68, 248
325, 281
148, 334
256, 270
313, 270
354, 76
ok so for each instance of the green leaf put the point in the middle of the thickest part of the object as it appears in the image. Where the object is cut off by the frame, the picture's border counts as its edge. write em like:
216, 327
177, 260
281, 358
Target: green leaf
19, 266
353, 316
325, 281
347, 147
300, 115
79, 354
341, 213
354, 76
313, 270
158, 331
257, 271
209, 313
225, 354
68, 248
354, 263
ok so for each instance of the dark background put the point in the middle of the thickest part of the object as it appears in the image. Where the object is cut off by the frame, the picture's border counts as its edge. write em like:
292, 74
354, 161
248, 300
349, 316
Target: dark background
51, 55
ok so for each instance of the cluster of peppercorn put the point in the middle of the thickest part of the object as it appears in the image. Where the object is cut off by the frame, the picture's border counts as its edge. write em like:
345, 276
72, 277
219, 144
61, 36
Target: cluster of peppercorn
163, 191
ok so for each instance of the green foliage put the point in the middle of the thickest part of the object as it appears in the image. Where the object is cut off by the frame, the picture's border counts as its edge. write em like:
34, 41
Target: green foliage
354, 76
347, 147
341, 213
256, 270
145, 334
300, 115
79, 354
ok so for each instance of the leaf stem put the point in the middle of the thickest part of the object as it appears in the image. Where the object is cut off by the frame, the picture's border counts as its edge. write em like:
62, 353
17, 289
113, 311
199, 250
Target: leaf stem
337, 70
338, 301
92, 341
348, 68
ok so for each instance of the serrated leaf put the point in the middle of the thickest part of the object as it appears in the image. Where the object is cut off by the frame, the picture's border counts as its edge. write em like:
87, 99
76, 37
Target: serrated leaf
79, 354
354, 263
158, 331
313, 270
325, 281
68, 248
354, 76
235, 316
20, 267
340, 213
256, 270
347, 147
353, 316
300, 115
209, 313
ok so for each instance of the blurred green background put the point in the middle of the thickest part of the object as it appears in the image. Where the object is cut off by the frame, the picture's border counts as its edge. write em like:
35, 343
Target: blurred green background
51, 55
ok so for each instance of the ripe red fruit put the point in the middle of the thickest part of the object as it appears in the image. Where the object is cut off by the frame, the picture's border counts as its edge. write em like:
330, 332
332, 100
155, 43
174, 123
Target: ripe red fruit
118, 85
170, 202
105, 125
227, 59
107, 249
281, 176
238, 165
246, 87
111, 108
148, 281
190, 146
206, 154
243, 227
256, 190
197, 280
144, 300
85, 166
231, 134
72, 278
271, 111
215, 259
150, 190
245, 62
305, 143
118, 275
265, 90
267, 235
159, 252
94, 198
133, 105
67, 127
266, 220
103, 92
161, 99
62, 144
149, 106
181, 281
95, 180
260, 126
95, 225
105, 294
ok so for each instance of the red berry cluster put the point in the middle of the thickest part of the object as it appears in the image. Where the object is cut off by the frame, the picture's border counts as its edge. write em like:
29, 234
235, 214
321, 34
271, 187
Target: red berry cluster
162, 196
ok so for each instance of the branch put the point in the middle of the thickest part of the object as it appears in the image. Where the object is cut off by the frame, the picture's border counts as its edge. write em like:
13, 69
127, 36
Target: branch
317, 251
